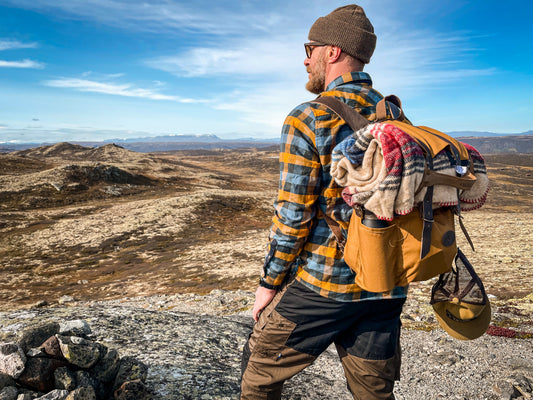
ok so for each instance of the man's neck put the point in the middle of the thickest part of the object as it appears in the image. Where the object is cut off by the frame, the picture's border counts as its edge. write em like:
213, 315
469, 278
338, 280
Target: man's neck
343, 66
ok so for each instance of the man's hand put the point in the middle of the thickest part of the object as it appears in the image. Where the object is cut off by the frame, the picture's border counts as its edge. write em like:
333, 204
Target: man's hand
263, 297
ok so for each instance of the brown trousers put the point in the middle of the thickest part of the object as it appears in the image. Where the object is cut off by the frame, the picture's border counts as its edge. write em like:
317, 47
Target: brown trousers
279, 347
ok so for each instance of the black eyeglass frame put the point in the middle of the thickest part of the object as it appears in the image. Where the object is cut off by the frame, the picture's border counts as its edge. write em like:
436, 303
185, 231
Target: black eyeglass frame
309, 46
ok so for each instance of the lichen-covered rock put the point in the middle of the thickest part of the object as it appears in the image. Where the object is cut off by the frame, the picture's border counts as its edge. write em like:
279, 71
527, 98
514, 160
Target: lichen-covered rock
504, 389
12, 359
26, 394
56, 394
75, 327
35, 336
106, 369
85, 379
52, 348
36, 352
84, 393
39, 373
6, 380
133, 390
130, 369
78, 351
64, 379
523, 384
9, 393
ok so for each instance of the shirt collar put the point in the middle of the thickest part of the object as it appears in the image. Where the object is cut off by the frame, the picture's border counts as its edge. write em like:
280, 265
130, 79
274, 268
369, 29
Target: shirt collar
356, 77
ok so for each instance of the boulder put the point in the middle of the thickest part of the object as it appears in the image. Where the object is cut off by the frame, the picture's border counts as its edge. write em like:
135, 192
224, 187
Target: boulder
55, 395
78, 351
84, 393
35, 336
9, 393
133, 390
130, 369
39, 373
64, 378
106, 369
12, 359
75, 327
6, 380
52, 348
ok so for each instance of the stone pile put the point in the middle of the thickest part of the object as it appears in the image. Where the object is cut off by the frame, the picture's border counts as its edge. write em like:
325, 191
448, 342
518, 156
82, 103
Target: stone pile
59, 361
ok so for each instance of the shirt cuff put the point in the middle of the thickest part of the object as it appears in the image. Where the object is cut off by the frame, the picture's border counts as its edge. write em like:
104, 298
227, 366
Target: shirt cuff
267, 285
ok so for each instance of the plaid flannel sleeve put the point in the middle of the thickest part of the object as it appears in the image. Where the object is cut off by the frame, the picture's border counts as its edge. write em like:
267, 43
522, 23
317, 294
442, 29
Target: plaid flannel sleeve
299, 188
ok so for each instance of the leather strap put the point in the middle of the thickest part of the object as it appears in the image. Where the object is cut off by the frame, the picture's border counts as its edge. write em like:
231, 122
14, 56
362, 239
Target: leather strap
465, 232
337, 232
355, 120
427, 208
393, 104
427, 217
435, 178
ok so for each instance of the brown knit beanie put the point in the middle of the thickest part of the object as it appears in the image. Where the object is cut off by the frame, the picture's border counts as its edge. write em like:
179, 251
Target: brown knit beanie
348, 28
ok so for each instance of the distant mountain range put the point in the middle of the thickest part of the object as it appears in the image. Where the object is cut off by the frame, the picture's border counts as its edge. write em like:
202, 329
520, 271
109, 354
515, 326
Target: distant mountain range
159, 143
459, 134
169, 138
485, 142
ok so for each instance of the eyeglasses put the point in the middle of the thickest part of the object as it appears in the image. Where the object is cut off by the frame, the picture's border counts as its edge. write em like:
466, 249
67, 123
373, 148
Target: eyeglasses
310, 46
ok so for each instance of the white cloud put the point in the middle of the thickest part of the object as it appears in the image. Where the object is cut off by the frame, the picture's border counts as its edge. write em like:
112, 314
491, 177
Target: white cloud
22, 64
8, 44
203, 16
250, 57
270, 73
127, 90
96, 75
424, 59
276, 57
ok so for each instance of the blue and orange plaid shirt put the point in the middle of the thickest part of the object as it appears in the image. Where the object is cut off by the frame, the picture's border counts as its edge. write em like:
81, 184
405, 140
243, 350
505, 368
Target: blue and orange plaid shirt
301, 241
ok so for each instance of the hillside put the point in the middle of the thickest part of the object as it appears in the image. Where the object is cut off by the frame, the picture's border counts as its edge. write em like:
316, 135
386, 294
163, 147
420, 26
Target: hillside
137, 223
502, 144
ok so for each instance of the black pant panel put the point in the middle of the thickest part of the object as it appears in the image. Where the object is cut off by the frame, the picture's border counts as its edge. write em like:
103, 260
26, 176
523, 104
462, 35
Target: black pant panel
321, 321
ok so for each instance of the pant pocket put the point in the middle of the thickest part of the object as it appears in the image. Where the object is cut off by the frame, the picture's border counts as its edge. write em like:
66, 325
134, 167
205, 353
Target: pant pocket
273, 337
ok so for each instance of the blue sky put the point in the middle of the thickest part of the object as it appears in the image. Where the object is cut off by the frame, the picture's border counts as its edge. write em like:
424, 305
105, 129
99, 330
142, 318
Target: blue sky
100, 69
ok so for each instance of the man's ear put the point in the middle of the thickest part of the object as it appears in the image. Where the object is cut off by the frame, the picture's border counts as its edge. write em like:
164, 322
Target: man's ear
333, 53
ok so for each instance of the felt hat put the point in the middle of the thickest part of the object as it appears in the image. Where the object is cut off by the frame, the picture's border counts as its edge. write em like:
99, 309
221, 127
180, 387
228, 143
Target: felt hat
460, 302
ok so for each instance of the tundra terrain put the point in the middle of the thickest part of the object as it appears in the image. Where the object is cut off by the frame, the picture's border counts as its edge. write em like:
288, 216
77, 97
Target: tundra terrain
109, 223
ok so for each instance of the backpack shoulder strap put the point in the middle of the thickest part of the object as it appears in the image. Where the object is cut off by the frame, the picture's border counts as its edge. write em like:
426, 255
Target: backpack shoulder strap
390, 107
355, 120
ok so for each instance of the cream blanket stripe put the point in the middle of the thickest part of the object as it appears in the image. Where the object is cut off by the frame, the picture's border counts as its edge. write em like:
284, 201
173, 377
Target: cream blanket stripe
381, 168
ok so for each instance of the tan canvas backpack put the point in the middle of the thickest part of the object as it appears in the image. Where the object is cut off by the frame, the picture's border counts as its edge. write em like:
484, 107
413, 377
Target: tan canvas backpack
413, 247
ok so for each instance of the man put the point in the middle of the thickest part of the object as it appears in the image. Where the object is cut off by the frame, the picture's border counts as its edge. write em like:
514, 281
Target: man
307, 298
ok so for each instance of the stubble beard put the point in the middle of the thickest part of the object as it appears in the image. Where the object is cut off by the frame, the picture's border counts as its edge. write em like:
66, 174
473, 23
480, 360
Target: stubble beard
317, 81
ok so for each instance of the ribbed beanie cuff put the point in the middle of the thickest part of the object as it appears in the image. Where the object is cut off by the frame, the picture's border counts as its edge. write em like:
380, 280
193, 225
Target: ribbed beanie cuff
348, 28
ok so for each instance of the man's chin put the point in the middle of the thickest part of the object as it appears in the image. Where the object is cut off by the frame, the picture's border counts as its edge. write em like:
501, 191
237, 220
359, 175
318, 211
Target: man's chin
313, 88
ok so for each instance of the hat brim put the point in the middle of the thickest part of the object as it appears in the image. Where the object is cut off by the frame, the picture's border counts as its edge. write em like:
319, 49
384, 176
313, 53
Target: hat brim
467, 330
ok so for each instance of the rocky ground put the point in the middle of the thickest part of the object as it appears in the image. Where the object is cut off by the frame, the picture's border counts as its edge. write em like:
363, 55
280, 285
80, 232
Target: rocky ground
141, 244
192, 344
